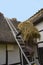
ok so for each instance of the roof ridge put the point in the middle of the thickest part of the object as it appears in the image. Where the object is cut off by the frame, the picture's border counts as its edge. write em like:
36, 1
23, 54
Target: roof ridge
35, 13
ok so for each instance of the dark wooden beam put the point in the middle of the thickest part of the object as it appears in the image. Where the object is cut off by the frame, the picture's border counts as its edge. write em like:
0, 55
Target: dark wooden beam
41, 30
39, 42
6, 55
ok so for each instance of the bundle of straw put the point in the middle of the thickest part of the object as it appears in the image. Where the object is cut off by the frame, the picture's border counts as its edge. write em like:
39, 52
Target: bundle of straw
29, 32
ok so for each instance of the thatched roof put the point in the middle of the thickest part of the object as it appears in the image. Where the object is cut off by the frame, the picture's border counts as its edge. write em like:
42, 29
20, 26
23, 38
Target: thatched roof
5, 32
36, 18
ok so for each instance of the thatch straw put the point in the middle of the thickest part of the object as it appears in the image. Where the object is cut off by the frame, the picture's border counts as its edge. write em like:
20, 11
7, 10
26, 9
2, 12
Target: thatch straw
28, 31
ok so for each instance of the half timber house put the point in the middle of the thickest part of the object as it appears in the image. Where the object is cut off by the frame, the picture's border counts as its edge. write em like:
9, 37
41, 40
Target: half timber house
10, 53
9, 50
37, 20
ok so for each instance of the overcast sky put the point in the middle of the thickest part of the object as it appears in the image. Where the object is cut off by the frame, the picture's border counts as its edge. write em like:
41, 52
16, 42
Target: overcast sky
20, 9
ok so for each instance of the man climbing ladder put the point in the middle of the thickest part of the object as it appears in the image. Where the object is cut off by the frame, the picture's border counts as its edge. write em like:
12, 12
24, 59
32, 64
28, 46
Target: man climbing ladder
19, 41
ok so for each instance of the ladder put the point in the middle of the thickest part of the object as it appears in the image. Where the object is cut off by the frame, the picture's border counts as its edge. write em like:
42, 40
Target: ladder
19, 41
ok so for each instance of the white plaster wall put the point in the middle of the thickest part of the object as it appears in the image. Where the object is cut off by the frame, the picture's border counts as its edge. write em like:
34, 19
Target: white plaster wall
2, 54
40, 27
41, 33
13, 55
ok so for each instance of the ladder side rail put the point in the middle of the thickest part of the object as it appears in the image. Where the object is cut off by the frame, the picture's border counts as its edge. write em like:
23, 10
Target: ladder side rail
14, 28
8, 22
12, 25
